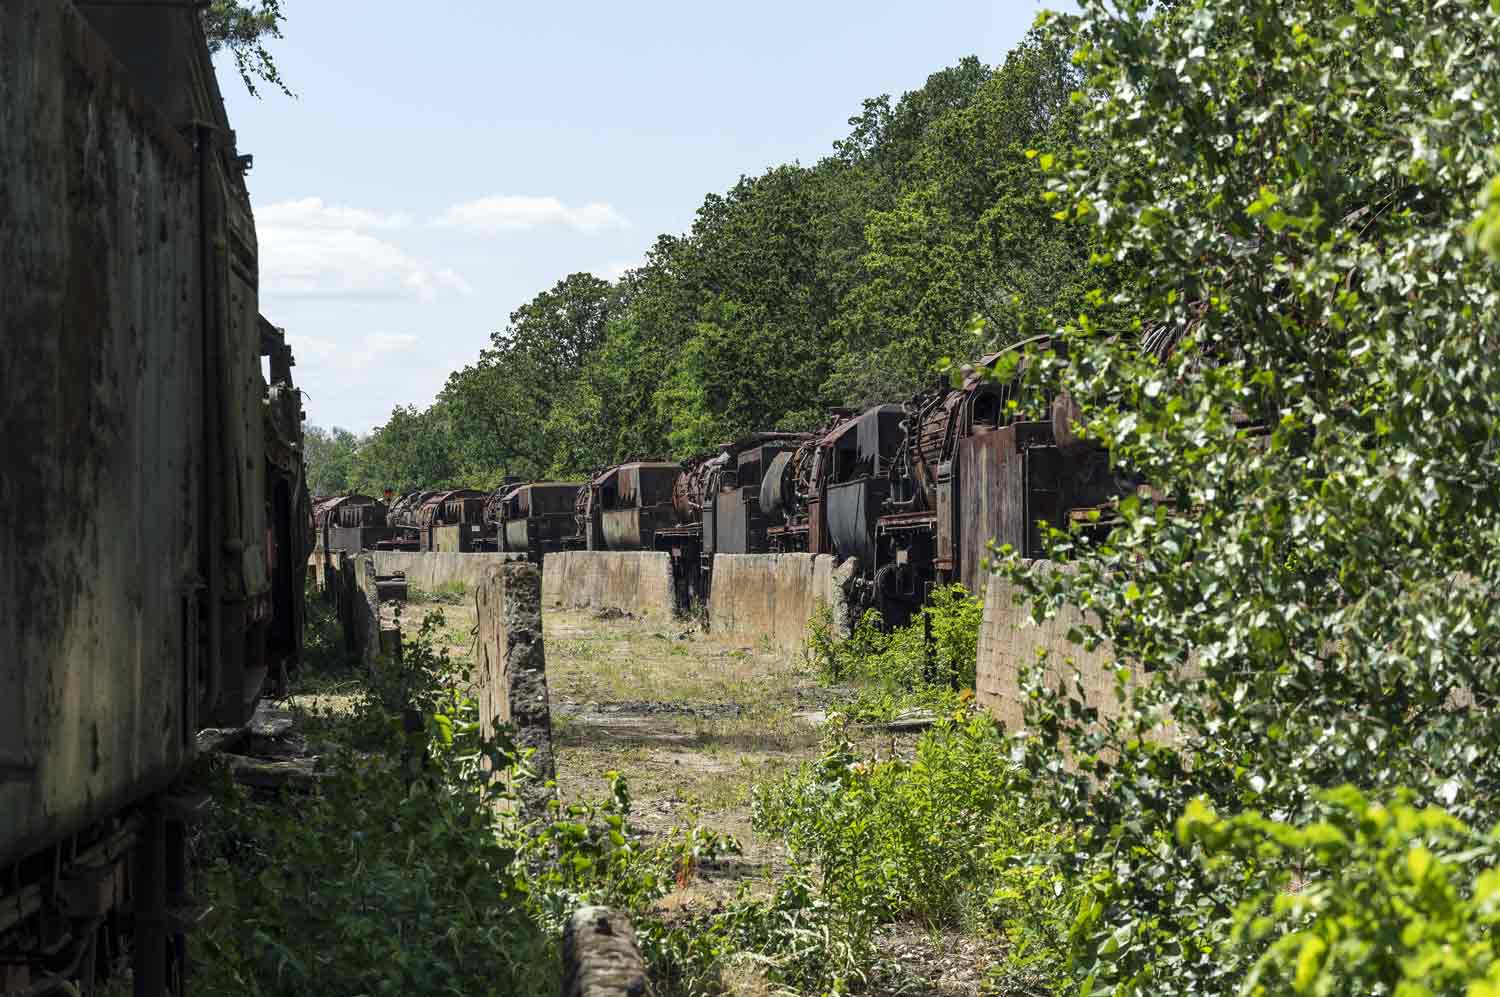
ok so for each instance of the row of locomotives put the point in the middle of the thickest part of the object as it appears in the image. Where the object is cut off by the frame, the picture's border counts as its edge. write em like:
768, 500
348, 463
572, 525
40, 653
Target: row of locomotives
694, 509
159, 584
534, 518
919, 493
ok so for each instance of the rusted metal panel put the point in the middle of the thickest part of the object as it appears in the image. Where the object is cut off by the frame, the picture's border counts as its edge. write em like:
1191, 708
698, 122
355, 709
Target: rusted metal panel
732, 524
371, 514
850, 511
776, 485
710, 516
357, 538
628, 529
948, 503
100, 402
1002, 495
468, 508
458, 538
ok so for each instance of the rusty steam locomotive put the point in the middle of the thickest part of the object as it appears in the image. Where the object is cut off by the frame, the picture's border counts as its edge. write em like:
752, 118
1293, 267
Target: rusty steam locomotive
154, 515
916, 493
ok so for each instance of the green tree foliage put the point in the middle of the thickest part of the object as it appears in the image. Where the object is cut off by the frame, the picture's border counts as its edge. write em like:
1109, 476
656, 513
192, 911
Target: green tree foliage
329, 456
243, 27
1296, 351
1373, 898
500, 405
413, 449
805, 287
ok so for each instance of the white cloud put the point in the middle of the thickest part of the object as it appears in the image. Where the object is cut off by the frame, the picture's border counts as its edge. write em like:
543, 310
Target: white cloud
514, 213
390, 342
614, 271
427, 285
311, 212
312, 250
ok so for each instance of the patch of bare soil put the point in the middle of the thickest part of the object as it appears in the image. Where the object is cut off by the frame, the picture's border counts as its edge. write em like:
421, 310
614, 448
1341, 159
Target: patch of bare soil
690, 721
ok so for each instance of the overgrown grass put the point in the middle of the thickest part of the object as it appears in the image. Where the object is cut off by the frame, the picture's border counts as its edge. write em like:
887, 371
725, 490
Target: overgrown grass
407, 871
945, 840
328, 666
449, 593
929, 664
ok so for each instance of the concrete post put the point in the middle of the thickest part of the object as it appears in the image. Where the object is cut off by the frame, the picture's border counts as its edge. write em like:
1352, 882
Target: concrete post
512, 670
600, 955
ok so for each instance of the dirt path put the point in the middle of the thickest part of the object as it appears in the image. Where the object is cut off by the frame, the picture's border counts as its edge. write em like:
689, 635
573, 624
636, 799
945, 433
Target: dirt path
693, 723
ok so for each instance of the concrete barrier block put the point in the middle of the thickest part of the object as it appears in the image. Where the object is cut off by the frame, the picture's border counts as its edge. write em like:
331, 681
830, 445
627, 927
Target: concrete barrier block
373, 636
512, 669
637, 582
1009, 639
431, 570
772, 597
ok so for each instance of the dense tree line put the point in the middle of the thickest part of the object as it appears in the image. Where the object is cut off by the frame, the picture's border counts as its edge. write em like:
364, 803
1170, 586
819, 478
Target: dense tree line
922, 235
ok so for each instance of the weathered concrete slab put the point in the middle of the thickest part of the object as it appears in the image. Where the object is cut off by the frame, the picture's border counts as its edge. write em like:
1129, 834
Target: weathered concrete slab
1009, 640
430, 570
511, 670
637, 582
773, 596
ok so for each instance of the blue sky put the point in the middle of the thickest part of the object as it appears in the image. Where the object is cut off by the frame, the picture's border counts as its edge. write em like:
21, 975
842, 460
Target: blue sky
445, 161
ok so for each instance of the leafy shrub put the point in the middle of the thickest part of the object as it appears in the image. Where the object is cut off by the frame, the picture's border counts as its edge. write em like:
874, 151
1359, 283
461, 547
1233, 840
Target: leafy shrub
1369, 899
1291, 346
938, 650
408, 871
943, 839
325, 658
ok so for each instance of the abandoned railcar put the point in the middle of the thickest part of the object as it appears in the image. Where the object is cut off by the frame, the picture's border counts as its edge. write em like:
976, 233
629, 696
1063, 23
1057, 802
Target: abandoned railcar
162, 578
535, 518
623, 506
452, 521
352, 523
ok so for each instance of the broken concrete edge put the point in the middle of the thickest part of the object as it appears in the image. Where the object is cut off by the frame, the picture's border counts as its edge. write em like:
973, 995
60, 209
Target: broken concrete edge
511, 673
600, 955
371, 626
